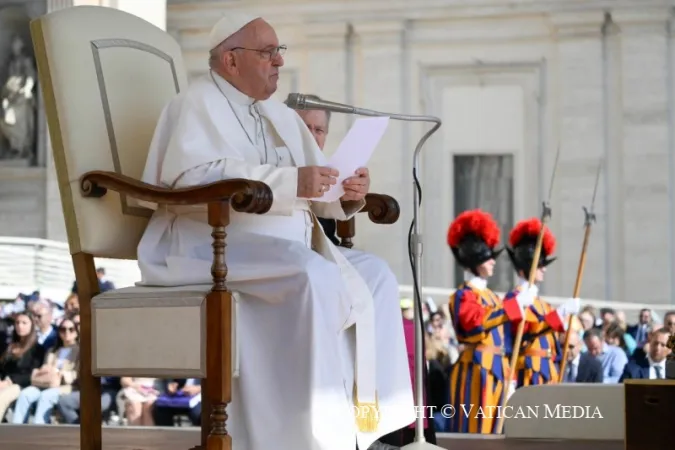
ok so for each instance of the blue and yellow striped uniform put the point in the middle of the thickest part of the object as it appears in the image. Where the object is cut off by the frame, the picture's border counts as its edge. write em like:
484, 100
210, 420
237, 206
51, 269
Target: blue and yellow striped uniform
477, 378
540, 350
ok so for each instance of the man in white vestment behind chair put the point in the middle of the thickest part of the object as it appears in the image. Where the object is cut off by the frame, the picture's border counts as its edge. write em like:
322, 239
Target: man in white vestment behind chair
320, 339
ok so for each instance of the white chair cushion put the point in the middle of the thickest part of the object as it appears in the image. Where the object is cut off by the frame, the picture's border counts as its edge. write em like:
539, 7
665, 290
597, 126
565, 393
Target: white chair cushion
153, 332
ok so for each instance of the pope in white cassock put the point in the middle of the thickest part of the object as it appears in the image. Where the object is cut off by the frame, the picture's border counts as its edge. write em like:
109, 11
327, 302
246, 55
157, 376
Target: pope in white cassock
322, 363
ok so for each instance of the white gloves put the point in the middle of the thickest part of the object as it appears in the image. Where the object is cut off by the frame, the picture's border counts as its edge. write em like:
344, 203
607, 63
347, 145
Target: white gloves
511, 390
571, 306
526, 298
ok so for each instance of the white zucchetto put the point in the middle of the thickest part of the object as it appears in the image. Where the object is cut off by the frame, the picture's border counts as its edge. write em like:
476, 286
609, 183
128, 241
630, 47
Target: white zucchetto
227, 26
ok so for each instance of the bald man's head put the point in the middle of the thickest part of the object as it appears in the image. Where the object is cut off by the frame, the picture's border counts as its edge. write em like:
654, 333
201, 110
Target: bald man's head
250, 59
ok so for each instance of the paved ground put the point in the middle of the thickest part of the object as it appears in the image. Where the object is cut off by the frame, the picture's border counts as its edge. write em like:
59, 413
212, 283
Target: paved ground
62, 437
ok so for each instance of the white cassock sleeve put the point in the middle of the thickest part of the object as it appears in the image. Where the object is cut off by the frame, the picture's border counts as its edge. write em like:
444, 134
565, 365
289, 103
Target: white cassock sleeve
197, 153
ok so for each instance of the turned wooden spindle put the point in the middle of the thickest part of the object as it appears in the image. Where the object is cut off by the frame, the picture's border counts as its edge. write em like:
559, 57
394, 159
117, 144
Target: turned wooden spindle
218, 338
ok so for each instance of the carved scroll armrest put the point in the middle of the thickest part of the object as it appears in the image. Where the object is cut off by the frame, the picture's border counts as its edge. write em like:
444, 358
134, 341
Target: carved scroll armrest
246, 196
382, 209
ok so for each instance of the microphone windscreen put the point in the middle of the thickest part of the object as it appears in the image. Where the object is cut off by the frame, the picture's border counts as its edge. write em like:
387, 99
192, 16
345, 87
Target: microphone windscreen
295, 101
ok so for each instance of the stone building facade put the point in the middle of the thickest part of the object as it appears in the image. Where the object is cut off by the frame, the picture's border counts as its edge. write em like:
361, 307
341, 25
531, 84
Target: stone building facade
512, 80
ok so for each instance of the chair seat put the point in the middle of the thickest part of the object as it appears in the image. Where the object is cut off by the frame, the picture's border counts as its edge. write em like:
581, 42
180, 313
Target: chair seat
153, 332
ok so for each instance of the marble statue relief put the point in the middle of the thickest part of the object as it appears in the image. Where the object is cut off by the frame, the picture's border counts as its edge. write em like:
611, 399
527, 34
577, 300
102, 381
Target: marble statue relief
18, 105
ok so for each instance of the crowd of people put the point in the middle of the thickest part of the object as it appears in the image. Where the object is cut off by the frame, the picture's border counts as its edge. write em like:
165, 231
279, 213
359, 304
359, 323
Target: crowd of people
39, 363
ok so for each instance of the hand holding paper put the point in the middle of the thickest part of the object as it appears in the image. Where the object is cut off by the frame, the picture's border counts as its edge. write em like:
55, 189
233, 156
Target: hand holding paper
354, 152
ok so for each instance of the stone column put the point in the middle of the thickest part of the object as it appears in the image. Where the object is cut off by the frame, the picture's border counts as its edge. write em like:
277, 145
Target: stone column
641, 57
154, 11
381, 83
579, 96
324, 71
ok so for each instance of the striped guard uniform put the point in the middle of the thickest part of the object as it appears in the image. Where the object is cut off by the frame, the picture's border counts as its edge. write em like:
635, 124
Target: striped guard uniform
477, 378
540, 350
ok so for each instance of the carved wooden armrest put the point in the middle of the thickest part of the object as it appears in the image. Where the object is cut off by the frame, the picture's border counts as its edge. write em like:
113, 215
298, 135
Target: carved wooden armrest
382, 209
246, 196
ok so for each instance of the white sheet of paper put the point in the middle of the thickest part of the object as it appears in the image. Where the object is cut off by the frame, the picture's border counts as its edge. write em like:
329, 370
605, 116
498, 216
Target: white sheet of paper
354, 152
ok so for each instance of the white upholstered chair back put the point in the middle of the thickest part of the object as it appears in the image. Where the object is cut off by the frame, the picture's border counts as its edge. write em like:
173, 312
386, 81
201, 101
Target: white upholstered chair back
106, 75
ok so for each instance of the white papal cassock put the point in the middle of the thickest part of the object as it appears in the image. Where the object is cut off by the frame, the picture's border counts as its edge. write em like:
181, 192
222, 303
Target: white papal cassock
297, 294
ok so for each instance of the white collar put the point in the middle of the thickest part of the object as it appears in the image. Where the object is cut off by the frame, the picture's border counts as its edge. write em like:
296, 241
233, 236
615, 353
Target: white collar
232, 93
662, 364
477, 282
576, 360
523, 283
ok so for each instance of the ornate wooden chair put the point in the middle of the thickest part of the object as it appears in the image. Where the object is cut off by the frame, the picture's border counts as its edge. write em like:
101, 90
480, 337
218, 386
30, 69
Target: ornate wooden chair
106, 76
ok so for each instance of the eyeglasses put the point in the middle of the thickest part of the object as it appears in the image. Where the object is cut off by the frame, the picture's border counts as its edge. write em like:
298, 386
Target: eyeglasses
267, 54
67, 329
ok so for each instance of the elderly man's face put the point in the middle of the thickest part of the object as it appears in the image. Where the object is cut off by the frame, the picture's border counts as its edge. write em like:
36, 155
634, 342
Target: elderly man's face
43, 316
317, 123
574, 346
256, 63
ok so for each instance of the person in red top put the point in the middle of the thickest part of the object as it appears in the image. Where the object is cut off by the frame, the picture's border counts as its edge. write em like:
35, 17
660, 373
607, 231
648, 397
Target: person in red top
540, 351
480, 319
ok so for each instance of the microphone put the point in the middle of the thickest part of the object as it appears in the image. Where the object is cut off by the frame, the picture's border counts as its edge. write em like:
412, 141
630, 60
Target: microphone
303, 102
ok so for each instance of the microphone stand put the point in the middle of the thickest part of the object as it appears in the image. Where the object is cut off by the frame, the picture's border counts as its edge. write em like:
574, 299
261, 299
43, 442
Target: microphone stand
415, 253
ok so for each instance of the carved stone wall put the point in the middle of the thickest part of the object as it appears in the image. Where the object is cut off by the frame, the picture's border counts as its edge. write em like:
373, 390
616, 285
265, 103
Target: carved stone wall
30, 205
22, 179
600, 86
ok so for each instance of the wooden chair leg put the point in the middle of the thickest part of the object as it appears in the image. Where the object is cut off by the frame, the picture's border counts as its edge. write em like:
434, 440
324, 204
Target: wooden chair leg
90, 413
90, 386
218, 335
205, 425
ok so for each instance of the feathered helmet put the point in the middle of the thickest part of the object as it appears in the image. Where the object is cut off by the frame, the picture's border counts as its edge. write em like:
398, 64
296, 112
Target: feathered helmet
472, 237
523, 240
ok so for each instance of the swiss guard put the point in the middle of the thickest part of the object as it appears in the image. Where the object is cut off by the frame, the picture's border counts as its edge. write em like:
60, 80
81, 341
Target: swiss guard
482, 322
540, 352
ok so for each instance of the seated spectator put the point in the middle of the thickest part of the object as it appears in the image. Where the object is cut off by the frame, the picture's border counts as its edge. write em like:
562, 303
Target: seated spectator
44, 318
138, 396
18, 361
438, 360
615, 335
587, 319
612, 358
55, 377
640, 330
641, 352
669, 322
178, 397
72, 305
607, 316
581, 367
69, 404
653, 366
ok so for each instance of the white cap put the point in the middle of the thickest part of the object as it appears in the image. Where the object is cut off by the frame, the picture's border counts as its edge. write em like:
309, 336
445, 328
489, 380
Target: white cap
227, 26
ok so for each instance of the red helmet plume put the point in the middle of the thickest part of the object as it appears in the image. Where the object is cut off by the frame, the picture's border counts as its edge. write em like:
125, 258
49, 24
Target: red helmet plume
475, 222
528, 230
